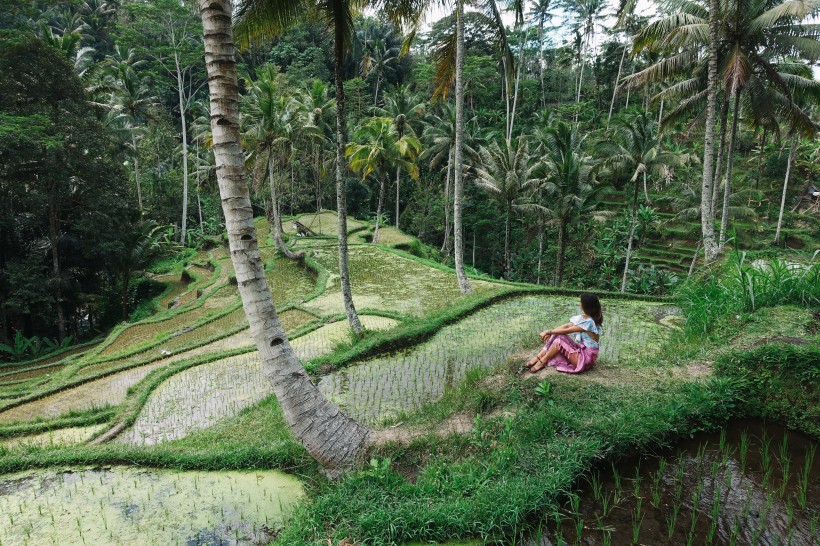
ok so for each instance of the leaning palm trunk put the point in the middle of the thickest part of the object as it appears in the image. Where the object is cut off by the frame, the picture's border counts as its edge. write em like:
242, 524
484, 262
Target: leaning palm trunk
332, 438
182, 116
632, 224
341, 166
724, 218
710, 248
379, 211
463, 281
276, 223
792, 151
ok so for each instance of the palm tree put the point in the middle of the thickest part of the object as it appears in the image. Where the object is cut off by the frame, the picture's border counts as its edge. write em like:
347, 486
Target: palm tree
131, 98
317, 108
458, 152
141, 247
407, 110
505, 172
588, 14
540, 13
331, 437
266, 111
635, 147
748, 43
377, 147
569, 183
379, 59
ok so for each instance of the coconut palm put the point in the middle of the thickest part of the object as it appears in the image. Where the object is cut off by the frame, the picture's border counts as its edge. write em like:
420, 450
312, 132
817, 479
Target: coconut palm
317, 110
331, 437
130, 97
376, 149
506, 170
266, 111
634, 147
748, 43
407, 111
379, 60
569, 183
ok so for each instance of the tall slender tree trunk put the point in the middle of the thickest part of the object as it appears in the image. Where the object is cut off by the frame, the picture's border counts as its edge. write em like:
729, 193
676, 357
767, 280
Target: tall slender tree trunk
507, 229
710, 248
724, 117
56, 272
446, 247
379, 206
615, 87
632, 224
727, 187
541, 63
137, 171
540, 250
339, 14
515, 92
398, 193
198, 184
182, 116
562, 245
458, 232
276, 219
792, 151
332, 438
578, 96
760, 158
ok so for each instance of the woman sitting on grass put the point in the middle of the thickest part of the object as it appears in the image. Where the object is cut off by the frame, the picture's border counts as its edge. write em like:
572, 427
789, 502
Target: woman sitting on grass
572, 347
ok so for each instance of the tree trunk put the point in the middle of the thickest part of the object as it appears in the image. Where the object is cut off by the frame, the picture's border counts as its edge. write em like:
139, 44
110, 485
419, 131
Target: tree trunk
54, 240
559, 264
615, 87
463, 281
578, 96
540, 249
724, 218
276, 220
318, 182
137, 171
332, 438
446, 248
507, 228
382, 185
515, 92
792, 151
710, 248
339, 13
182, 110
632, 223
760, 159
541, 63
398, 188
724, 116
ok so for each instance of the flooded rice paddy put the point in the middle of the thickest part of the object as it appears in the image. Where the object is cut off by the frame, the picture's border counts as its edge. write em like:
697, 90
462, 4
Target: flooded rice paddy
386, 386
750, 484
134, 506
201, 396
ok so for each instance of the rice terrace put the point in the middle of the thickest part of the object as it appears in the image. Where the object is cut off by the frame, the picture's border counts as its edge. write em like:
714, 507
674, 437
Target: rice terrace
537, 273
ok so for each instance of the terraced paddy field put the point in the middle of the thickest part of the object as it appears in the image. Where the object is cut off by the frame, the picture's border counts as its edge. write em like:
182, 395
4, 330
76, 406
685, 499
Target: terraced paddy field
185, 389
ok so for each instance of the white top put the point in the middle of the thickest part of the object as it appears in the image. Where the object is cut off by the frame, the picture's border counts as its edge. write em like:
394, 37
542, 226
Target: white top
583, 338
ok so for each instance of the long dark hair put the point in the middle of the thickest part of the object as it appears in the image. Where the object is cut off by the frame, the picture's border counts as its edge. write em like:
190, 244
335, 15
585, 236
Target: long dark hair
592, 307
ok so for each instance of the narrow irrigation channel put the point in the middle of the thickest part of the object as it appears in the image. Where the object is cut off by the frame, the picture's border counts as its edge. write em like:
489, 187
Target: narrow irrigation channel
751, 483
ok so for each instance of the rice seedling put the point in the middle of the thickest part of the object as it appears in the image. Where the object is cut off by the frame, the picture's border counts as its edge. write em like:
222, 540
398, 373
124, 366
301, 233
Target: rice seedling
804, 475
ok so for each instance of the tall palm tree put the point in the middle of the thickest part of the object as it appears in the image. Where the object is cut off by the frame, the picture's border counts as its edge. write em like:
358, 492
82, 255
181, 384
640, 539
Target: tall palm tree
266, 111
748, 43
317, 108
376, 149
407, 111
505, 171
131, 98
569, 183
259, 18
332, 438
635, 147
458, 153
379, 60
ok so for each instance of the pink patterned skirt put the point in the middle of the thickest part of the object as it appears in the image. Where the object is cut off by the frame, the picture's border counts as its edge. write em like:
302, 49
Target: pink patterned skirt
566, 347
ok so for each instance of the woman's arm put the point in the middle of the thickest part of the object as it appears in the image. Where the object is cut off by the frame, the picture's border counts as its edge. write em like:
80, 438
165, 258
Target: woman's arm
567, 328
